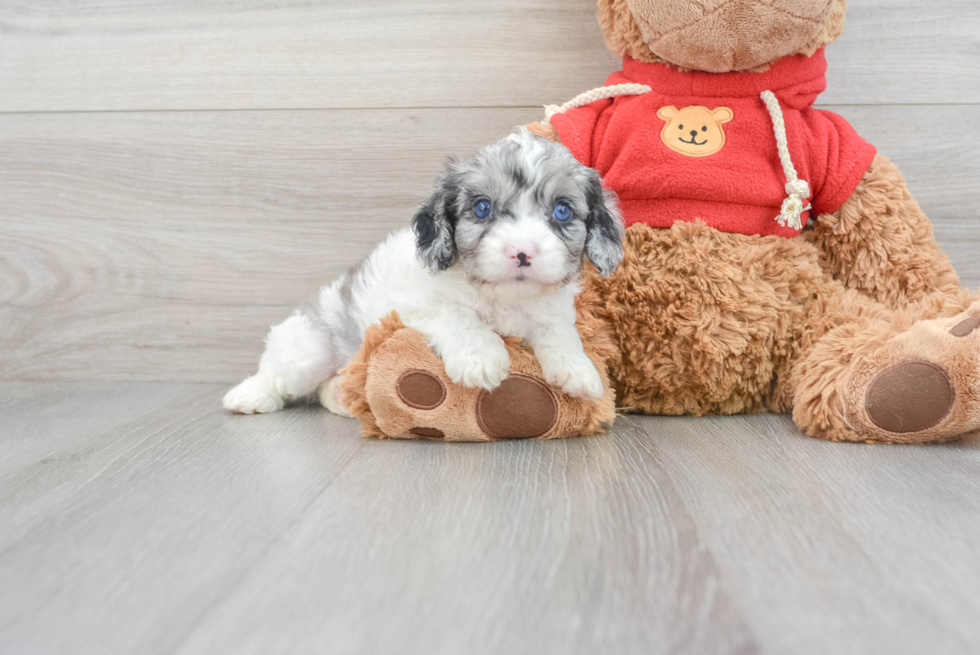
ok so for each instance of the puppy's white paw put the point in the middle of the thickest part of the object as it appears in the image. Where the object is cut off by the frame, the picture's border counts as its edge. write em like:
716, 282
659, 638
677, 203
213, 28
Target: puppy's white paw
253, 396
574, 373
332, 396
479, 367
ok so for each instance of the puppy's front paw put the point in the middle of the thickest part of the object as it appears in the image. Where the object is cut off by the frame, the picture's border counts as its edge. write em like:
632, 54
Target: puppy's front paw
573, 372
484, 367
253, 396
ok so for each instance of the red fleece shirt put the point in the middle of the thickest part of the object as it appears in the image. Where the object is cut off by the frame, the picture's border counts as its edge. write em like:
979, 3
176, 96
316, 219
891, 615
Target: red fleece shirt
741, 186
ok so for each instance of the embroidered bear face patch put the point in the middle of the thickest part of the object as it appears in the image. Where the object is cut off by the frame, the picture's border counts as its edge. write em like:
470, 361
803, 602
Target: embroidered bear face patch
695, 131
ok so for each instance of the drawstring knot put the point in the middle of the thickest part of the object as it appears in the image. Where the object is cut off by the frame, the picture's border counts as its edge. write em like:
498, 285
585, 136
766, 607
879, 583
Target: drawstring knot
793, 208
798, 187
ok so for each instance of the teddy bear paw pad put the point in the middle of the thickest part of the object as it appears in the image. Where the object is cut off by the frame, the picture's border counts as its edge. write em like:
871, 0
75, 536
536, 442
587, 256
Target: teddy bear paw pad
421, 389
909, 397
522, 407
429, 433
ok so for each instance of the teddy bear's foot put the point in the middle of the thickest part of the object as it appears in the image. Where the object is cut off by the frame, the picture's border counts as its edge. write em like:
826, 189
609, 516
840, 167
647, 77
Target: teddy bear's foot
922, 385
522, 407
398, 388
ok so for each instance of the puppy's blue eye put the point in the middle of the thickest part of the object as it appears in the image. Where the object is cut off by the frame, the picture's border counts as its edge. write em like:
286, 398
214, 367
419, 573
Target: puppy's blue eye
562, 212
482, 209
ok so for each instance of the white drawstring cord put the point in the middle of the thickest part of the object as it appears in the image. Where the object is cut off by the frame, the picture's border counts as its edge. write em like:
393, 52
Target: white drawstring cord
598, 93
797, 189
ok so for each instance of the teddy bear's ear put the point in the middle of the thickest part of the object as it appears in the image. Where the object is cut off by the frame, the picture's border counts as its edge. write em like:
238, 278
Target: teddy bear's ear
723, 115
668, 112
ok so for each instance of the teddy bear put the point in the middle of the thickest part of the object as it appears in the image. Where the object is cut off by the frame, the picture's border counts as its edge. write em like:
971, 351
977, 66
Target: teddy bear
774, 261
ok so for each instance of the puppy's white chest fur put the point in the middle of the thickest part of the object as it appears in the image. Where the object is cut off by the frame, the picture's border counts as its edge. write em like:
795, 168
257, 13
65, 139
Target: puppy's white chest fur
520, 316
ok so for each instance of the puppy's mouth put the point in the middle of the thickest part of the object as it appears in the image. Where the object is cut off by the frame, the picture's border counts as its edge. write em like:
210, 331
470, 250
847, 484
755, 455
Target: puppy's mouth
693, 141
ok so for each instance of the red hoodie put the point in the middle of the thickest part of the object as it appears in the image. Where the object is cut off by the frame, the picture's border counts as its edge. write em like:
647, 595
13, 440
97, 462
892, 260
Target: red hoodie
701, 145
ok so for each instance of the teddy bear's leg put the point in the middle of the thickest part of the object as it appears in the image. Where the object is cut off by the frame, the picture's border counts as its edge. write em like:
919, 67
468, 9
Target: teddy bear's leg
910, 376
398, 388
881, 242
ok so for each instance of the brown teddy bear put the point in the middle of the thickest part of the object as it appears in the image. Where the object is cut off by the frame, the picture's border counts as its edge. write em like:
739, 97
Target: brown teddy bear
774, 261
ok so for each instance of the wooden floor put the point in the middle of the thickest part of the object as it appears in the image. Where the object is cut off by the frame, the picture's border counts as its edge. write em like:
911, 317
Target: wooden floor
175, 176
139, 518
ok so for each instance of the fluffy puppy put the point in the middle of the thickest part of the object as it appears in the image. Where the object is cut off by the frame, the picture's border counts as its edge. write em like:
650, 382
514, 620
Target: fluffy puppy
497, 249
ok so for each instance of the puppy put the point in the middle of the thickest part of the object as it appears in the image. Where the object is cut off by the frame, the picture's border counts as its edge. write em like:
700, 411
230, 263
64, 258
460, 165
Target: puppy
497, 249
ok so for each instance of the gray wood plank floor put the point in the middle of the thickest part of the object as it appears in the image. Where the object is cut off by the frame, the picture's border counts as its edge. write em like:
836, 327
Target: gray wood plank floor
143, 519
175, 176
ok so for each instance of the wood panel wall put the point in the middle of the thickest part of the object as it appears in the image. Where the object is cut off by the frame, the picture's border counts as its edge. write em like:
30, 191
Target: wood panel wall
175, 176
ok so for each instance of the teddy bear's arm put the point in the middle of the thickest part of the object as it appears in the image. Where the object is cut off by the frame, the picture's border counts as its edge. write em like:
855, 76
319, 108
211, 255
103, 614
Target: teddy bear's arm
881, 242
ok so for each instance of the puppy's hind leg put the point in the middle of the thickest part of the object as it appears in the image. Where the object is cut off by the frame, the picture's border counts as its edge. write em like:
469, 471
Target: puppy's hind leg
332, 395
298, 357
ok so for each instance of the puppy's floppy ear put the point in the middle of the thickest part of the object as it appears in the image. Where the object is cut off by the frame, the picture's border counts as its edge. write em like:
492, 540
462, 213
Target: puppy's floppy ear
435, 224
604, 239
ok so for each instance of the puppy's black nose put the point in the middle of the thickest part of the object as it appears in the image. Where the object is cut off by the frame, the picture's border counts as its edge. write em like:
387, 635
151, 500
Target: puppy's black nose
522, 259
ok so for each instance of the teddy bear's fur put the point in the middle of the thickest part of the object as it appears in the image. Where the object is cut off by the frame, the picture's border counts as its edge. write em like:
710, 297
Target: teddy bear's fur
858, 326
686, 33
